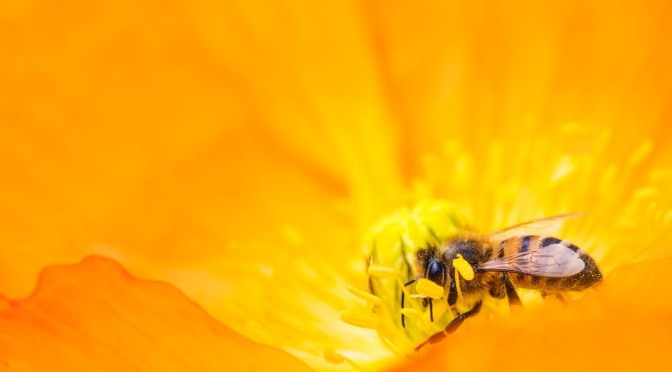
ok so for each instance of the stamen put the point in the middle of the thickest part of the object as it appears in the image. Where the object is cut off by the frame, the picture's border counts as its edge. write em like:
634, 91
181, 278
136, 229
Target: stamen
564, 168
382, 272
332, 356
387, 332
392, 306
366, 296
641, 152
360, 318
408, 295
429, 289
411, 313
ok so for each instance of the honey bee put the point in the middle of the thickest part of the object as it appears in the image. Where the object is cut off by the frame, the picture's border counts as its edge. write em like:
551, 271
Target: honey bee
469, 265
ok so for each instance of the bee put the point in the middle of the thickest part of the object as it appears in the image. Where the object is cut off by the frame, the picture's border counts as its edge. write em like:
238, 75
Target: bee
470, 265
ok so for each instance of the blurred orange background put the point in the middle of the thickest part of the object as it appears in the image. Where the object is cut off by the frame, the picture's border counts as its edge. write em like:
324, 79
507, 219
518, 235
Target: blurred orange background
203, 142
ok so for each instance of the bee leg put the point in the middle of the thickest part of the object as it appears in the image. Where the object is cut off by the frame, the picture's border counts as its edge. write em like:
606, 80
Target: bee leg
455, 323
452, 294
452, 326
510, 290
557, 295
428, 302
403, 324
431, 310
497, 290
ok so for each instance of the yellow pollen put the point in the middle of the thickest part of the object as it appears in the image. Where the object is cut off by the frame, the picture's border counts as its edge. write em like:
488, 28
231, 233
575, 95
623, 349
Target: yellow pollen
429, 289
464, 269
360, 318
382, 272
366, 296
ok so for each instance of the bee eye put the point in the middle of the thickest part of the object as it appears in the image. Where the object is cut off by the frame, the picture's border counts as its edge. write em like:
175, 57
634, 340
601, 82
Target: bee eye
435, 272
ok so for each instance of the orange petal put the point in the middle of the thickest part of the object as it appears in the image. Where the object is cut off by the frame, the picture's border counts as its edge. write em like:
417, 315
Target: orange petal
491, 71
625, 325
95, 316
644, 285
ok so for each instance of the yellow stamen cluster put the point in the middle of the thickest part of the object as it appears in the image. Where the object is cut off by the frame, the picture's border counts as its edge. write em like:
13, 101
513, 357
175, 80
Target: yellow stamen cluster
616, 197
391, 252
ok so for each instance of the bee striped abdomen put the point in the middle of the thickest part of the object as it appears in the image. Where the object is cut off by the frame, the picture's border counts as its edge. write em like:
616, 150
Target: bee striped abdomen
587, 277
512, 246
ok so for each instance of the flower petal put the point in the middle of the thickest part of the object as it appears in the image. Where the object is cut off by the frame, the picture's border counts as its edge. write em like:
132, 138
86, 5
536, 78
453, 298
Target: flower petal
482, 74
162, 136
95, 316
626, 324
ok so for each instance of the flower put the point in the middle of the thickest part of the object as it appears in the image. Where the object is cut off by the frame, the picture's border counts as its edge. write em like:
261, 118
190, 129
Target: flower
241, 152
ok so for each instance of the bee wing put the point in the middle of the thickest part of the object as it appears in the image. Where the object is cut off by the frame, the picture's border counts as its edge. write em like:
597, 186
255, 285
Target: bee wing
553, 261
540, 226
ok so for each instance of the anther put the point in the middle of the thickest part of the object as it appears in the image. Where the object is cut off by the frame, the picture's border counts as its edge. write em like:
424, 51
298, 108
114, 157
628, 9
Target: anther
428, 288
366, 296
360, 318
382, 272
332, 356
411, 313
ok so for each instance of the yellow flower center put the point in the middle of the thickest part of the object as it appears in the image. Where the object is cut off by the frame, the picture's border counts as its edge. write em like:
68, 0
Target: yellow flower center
391, 249
397, 303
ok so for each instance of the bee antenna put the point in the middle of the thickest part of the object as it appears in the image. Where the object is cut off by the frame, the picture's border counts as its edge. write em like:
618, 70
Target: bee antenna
402, 300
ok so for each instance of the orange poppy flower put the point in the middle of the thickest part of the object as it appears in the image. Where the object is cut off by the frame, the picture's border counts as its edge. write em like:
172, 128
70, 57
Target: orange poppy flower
242, 152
